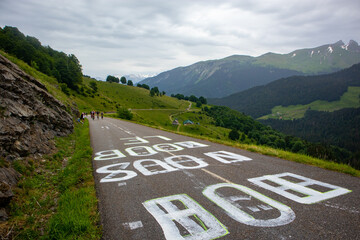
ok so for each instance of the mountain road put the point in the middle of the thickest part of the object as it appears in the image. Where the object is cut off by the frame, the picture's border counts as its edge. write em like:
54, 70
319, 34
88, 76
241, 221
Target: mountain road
153, 184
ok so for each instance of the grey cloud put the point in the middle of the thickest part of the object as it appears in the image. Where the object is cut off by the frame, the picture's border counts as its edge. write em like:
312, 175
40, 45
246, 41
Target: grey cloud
141, 36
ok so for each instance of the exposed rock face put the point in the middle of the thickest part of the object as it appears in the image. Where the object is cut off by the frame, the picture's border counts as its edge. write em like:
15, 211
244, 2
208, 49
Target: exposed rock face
29, 118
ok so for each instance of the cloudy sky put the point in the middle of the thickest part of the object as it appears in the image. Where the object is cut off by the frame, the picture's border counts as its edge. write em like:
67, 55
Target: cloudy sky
121, 37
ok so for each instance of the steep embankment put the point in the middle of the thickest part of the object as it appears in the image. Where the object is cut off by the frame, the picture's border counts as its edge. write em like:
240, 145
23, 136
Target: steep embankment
30, 118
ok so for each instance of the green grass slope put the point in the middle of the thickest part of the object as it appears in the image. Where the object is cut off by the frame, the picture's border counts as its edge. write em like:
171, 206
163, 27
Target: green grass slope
350, 99
108, 96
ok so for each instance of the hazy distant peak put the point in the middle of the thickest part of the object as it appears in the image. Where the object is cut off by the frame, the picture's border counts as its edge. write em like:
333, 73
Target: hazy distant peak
353, 42
353, 46
339, 43
137, 77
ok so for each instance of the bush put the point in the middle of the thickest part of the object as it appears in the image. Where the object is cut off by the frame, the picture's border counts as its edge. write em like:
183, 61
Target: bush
234, 135
65, 88
124, 113
298, 145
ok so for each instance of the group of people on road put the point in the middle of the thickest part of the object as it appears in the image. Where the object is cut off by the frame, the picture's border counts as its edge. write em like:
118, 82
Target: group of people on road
92, 114
97, 114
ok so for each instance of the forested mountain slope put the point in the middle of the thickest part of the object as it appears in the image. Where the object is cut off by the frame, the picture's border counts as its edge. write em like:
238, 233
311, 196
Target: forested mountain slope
259, 101
340, 128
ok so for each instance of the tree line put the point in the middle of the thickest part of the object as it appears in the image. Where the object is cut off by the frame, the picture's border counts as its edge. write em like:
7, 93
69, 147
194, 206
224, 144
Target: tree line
122, 80
153, 91
199, 101
65, 68
247, 130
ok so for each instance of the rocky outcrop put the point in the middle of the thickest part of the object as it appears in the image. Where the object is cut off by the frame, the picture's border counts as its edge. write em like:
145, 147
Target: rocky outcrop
30, 118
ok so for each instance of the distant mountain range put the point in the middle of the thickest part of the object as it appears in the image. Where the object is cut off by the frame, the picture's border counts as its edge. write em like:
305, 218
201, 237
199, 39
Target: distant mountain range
136, 77
259, 101
219, 78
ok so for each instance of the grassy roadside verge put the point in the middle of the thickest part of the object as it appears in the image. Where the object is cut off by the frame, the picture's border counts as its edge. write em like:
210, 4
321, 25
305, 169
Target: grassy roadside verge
55, 198
295, 157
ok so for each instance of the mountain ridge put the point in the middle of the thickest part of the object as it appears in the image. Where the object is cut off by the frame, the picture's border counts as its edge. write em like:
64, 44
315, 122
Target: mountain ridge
235, 73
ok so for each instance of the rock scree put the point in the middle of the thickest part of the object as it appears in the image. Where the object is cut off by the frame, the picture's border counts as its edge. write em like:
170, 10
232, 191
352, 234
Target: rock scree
30, 118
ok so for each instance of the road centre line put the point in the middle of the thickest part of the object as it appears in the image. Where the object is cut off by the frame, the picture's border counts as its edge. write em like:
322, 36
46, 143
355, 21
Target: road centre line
124, 130
216, 176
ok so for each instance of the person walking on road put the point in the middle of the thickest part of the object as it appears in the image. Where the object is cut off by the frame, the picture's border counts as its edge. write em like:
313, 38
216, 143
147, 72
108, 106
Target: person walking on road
93, 115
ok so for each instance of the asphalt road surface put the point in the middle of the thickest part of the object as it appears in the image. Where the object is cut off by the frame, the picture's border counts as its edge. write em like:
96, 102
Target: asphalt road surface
153, 184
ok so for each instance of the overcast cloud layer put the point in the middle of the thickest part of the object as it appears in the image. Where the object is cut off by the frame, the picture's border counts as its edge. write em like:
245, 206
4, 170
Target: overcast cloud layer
142, 36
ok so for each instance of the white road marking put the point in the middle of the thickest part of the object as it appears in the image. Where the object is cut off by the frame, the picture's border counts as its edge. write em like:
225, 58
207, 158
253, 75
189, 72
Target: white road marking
167, 147
108, 155
134, 140
161, 137
227, 157
197, 183
310, 195
198, 223
341, 208
216, 176
143, 168
238, 198
287, 215
115, 173
199, 163
133, 225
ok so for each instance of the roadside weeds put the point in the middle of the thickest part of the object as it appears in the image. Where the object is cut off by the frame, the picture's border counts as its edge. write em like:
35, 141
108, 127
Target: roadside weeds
55, 198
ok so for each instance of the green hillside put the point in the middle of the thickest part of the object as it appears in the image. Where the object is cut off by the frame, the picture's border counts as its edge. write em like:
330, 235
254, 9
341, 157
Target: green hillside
297, 90
109, 96
350, 99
